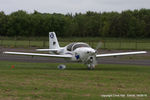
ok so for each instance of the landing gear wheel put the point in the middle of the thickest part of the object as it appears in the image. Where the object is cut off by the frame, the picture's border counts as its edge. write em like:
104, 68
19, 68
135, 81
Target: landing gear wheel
91, 66
61, 67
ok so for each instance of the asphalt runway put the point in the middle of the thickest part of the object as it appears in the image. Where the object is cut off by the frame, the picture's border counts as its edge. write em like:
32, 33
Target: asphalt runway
105, 60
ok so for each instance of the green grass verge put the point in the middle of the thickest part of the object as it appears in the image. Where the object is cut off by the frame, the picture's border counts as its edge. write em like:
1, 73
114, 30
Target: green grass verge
108, 43
43, 81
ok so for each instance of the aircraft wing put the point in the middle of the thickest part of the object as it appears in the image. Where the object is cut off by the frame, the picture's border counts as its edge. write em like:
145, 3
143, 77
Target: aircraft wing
39, 54
120, 54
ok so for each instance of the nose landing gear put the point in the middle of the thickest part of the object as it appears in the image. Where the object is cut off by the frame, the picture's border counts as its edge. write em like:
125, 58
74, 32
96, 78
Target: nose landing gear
91, 66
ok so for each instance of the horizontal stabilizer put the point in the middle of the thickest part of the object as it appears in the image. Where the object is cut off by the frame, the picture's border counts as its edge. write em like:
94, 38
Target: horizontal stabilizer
47, 50
120, 54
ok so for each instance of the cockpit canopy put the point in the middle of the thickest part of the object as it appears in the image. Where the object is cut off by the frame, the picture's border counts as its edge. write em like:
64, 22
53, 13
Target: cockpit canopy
73, 46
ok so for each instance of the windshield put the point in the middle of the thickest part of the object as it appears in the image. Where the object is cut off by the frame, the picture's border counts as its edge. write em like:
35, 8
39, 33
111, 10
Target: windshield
69, 47
80, 45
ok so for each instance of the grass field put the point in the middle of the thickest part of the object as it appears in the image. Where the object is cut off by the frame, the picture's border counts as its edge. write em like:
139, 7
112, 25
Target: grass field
108, 43
43, 81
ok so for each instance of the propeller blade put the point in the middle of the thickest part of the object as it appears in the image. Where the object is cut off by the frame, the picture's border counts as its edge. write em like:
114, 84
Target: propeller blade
99, 45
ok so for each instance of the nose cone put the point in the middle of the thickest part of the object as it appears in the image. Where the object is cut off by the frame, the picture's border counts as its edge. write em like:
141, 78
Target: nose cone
84, 53
90, 51
86, 50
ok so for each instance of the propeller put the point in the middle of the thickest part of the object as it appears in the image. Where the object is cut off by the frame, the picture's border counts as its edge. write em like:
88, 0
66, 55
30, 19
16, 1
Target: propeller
92, 59
99, 45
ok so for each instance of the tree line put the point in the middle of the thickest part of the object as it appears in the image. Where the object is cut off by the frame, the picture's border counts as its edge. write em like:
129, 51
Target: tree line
127, 24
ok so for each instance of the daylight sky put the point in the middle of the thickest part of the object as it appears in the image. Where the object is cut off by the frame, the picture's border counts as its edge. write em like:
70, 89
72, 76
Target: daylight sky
71, 6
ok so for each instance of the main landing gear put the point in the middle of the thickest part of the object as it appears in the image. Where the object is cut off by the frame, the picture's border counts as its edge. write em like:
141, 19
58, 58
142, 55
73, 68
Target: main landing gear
61, 66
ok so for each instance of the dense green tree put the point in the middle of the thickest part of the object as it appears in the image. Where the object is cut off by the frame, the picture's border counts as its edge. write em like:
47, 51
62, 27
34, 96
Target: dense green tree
3, 24
91, 24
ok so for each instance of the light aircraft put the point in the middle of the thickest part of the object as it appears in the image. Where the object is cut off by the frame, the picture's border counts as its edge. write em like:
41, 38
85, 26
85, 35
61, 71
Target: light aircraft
78, 52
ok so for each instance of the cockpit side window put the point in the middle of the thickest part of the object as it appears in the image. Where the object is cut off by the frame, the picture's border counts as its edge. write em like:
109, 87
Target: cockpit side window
80, 45
69, 47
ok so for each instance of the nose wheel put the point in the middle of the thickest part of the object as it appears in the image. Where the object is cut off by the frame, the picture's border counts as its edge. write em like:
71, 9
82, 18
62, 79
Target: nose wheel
91, 66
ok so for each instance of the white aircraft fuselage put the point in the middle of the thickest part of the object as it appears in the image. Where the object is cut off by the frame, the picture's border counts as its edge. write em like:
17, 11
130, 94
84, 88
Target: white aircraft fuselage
81, 54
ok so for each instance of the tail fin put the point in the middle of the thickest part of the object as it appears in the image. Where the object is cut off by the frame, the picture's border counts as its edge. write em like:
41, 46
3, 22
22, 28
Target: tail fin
53, 42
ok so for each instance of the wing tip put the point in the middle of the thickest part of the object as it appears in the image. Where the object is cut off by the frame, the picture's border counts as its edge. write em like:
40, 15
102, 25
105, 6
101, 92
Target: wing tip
142, 51
5, 52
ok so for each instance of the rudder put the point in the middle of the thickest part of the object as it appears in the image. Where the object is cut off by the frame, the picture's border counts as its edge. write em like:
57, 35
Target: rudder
53, 42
